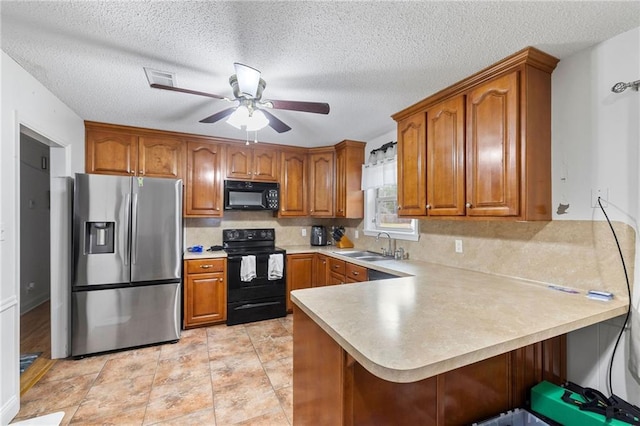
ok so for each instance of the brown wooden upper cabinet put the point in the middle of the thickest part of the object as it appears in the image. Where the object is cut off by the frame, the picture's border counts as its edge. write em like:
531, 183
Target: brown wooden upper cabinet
445, 156
488, 145
203, 184
321, 182
412, 166
112, 151
293, 183
252, 163
349, 195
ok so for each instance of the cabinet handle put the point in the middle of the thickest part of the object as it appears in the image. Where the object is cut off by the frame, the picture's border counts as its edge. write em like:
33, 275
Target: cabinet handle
428, 206
205, 266
399, 207
220, 279
468, 205
355, 273
336, 266
141, 172
132, 172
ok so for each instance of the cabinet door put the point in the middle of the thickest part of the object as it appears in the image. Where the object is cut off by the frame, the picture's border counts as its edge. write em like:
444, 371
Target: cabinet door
205, 298
412, 193
265, 164
336, 279
239, 160
293, 184
111, 153
204, 192
321, 184
349, 194
493, 148
160, 157
445, 158
299, 274
320, 268
341, 182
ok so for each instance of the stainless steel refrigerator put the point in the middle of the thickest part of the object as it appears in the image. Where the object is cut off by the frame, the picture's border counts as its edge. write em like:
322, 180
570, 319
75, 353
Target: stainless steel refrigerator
127, 251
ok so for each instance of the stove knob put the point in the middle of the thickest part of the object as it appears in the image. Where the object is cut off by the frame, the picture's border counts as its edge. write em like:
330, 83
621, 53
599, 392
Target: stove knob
263, 234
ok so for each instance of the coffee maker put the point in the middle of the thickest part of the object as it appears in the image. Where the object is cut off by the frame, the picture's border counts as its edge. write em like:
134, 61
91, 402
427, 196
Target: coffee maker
318, 235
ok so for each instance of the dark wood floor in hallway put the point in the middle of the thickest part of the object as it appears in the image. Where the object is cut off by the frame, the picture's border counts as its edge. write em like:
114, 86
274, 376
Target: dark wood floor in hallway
35, 336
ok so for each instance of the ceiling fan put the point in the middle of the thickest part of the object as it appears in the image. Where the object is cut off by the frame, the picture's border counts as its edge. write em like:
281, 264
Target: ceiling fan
250, 110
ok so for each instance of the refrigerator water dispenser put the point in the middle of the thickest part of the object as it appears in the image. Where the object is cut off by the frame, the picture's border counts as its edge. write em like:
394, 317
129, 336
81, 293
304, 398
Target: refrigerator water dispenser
99, 237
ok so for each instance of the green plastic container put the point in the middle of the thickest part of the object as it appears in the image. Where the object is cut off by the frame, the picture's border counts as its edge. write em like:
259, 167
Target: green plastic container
546, 399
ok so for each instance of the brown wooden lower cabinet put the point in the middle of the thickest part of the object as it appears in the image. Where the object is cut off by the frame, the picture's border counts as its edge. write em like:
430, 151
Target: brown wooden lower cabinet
330, 388
205, 292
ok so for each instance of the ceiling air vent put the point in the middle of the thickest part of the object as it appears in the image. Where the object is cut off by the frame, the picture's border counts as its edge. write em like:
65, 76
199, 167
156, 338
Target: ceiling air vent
160, 77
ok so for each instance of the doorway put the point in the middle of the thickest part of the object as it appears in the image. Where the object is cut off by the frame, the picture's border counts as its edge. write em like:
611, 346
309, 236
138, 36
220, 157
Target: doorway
54, 239
35, 261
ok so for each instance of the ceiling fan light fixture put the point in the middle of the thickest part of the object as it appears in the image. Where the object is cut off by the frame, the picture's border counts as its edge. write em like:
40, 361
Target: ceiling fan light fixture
242, 119
257, 121
239, 117
248, 79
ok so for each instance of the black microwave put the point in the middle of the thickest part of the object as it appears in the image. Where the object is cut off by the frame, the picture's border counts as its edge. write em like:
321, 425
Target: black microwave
247, 195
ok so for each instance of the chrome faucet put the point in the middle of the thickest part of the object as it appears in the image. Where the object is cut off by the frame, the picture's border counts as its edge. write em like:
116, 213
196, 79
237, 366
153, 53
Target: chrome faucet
390, 251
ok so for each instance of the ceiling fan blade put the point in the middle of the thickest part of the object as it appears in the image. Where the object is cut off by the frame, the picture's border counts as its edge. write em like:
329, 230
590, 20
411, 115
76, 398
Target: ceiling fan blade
218, 115
275, 123
189, 91
315, 107
248, 79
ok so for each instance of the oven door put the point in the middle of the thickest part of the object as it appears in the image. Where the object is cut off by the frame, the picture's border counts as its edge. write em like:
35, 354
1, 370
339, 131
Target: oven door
258, 288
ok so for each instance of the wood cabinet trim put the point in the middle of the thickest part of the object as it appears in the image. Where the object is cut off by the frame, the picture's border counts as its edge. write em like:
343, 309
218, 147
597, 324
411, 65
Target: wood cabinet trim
529, 56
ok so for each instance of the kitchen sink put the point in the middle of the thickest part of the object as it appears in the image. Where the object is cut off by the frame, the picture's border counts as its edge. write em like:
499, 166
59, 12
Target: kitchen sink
367, 256
373, 258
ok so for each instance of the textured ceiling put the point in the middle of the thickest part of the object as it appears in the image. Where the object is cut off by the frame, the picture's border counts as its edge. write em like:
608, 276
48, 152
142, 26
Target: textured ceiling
368, 60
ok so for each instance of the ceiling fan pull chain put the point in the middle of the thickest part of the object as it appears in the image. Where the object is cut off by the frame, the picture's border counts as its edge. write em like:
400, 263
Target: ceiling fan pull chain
255, 138
247, 142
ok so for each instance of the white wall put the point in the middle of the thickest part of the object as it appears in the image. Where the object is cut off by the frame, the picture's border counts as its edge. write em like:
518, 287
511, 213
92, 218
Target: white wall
25, 102
595, 143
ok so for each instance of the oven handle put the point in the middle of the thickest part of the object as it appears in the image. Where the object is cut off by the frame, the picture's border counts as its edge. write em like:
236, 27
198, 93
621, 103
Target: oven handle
255, 305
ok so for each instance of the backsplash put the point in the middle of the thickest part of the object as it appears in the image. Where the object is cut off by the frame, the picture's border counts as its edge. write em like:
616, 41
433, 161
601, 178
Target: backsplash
579, 254
208, 232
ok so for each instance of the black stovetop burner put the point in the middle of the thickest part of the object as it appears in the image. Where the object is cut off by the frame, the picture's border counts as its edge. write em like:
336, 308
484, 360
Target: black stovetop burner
250, 241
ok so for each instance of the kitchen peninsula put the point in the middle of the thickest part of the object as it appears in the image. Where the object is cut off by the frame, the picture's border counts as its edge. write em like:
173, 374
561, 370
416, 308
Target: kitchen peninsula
447, 346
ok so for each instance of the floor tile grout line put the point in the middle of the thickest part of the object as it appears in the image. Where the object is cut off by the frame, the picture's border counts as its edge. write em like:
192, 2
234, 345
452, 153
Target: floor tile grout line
146, 407
213, 390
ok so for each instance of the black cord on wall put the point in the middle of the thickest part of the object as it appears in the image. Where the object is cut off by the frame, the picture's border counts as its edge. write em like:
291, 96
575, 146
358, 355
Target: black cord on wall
626, 276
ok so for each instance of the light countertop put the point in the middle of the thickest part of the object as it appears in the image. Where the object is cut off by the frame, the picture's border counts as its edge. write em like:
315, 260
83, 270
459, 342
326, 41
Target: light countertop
437, 318
204, 255
411, 328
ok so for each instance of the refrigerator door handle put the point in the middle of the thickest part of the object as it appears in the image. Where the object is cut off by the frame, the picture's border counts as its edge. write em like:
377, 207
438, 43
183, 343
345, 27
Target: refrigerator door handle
127, 226
134, 230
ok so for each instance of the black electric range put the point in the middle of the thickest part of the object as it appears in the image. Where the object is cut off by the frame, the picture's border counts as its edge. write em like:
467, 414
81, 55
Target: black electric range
256, 275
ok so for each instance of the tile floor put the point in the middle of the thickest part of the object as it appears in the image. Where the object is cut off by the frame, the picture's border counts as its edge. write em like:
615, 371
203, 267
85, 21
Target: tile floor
213, 376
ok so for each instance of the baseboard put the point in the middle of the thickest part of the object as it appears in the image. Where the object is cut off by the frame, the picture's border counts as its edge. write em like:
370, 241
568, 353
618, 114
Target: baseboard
33, 304
10, 410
